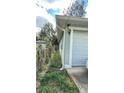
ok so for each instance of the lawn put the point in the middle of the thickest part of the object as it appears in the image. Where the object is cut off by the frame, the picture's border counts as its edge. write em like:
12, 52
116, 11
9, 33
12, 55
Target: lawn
55, 80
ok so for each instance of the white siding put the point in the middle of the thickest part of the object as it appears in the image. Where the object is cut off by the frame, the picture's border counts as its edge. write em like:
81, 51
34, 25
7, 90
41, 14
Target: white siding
61, 46
80, 48
64, 48
67, 45
61, 50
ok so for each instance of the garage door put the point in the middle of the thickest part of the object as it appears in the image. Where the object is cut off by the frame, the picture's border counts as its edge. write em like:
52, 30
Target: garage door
80, 48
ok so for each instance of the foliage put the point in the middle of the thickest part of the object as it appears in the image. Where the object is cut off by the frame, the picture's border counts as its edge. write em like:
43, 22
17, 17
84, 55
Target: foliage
39, 53
42, 60
59, 81
48, 34
48, 30
39, 57
77, 8
56, 81
56, 60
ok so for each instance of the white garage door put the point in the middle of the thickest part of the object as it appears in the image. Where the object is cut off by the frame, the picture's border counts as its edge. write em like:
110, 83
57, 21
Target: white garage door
80, 48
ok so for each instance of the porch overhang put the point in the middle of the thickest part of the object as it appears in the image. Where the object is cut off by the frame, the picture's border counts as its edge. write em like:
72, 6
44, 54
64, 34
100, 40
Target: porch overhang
64, 22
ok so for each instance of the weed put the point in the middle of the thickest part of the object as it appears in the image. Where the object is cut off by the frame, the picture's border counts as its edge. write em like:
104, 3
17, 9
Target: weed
56, 60
54, 80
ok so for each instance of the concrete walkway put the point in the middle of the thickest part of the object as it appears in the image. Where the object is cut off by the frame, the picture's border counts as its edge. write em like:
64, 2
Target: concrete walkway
80, 77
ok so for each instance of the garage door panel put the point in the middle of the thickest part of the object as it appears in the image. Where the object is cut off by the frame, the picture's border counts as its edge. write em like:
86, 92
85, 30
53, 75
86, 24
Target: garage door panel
80, 48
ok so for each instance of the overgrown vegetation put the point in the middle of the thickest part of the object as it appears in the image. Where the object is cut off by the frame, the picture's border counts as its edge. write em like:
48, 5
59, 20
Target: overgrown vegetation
56, 81
56, 60
50, 79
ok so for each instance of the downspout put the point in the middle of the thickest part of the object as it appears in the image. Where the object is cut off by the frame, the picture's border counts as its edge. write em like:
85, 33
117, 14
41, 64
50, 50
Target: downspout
60, 27
63, 48
67, 28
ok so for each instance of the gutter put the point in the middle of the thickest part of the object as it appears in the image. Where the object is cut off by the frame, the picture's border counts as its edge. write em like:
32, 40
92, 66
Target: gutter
60, 28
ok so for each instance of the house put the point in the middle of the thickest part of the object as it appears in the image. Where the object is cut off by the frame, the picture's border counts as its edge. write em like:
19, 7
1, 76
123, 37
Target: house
72, 34
41, 43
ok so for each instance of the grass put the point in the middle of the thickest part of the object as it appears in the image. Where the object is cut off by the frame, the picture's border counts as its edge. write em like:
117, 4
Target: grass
56, 81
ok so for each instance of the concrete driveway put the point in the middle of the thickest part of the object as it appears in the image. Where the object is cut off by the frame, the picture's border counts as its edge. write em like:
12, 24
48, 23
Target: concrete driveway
80, 77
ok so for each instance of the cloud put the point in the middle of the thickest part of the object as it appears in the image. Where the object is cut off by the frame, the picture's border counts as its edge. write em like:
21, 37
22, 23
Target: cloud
59, 4
43, 13
49, 1
50, 8
40, 21
52, 1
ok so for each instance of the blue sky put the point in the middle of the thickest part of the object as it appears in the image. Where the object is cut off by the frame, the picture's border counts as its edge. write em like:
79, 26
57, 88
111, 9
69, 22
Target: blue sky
49, 8
52, 12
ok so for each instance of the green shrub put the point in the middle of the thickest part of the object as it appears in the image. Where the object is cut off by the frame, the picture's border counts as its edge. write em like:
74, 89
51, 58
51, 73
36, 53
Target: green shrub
60, 80
44, 89
54, 80
56, 60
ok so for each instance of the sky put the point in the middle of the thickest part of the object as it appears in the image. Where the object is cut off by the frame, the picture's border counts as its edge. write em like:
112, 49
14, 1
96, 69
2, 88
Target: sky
47, 9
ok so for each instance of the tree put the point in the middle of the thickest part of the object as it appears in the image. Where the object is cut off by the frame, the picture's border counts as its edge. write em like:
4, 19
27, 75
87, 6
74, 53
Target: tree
48, 31
48, 34
77, 8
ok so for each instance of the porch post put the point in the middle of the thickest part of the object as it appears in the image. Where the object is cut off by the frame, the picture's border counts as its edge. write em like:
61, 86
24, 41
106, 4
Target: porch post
71, 44
63, 50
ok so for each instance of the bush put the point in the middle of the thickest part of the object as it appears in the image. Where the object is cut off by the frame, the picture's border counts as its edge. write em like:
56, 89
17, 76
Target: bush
56, 60
54, 80
59, 81
44, 89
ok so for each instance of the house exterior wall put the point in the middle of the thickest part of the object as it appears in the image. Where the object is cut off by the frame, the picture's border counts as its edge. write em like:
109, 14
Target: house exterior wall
79, 48
66, 51
64, 48
61, 50
61, 46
